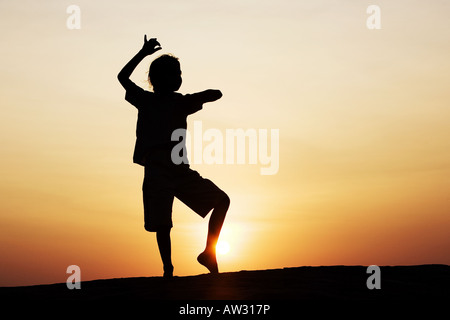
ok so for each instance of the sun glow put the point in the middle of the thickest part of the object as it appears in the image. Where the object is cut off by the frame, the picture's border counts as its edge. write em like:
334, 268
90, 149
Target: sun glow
357, 114
222, 247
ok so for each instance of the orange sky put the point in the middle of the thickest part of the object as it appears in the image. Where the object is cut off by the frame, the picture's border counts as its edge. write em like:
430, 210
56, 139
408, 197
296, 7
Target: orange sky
363, 117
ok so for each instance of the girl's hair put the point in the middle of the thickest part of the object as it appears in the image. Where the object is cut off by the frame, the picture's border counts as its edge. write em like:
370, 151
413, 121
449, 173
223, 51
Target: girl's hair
166, 63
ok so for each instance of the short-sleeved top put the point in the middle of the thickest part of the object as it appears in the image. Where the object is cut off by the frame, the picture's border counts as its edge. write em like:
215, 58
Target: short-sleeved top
158, 116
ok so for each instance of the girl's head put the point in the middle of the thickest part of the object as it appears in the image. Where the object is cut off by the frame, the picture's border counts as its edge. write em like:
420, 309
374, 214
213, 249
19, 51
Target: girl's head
165, 74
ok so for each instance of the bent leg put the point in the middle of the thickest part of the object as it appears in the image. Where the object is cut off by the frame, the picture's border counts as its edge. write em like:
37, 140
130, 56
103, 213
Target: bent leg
208, 256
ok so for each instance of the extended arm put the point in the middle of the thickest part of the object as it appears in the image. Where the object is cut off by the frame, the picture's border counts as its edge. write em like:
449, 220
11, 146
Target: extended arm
149, 47
209, 95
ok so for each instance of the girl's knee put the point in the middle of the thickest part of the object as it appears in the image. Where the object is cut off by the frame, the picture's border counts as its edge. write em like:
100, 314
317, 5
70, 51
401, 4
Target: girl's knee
225, 201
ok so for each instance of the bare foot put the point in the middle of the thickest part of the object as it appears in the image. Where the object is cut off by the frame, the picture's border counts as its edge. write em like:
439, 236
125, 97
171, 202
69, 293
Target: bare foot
209, 261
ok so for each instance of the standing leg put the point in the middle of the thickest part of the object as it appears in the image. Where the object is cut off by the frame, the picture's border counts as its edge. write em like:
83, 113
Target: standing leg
165, 250
208, 257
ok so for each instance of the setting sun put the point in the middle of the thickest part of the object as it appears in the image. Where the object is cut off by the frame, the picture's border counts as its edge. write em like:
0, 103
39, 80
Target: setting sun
331, 138
222, 247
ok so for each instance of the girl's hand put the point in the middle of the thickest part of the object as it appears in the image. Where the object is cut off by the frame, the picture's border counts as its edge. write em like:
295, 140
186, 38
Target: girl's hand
150, 46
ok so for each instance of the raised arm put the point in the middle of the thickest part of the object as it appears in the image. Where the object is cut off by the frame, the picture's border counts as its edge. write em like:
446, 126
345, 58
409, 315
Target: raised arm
149, 47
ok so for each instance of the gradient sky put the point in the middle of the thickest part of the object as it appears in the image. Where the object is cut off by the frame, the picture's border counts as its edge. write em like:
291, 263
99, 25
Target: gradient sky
363, 116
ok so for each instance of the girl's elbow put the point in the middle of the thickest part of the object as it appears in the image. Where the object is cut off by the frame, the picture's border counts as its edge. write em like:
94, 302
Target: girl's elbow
121, 77
124, 80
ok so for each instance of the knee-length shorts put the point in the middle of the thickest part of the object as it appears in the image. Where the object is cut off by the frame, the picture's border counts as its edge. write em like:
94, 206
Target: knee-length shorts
163, 183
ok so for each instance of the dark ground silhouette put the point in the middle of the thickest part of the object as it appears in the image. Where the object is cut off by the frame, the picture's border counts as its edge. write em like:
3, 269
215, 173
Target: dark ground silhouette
423, 282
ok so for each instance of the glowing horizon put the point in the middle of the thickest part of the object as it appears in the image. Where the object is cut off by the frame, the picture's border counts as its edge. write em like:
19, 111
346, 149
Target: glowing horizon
363, 120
